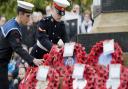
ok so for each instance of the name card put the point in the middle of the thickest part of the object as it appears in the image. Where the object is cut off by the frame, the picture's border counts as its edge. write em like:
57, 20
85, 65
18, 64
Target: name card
78, 71
79, 84
68, 49
108, 47
42, 73
114, 71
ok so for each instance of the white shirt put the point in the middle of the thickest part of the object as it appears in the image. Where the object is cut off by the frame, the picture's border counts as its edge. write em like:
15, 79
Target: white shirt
88, 25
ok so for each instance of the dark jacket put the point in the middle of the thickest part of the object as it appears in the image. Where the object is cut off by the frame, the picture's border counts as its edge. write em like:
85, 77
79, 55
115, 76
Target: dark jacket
52, 32
49, 32
10, 40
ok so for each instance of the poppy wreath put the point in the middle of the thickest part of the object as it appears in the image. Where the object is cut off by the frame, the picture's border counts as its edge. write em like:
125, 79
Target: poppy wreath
97, 50
80, 54
102, 77
55, 57
30, 81
89, 75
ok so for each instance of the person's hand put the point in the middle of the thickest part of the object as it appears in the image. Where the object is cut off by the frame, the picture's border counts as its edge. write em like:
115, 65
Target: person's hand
37, 62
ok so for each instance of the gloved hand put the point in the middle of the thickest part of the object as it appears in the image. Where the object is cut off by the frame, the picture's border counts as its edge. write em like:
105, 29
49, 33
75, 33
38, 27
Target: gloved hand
60, 43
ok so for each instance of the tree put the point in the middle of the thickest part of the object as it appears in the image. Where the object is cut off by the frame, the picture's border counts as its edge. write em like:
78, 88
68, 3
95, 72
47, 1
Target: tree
84, 4
40, 4
8, 7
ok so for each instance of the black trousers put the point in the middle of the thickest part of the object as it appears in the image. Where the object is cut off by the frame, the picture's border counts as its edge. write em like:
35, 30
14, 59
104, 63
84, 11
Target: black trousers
4, 83
37, 52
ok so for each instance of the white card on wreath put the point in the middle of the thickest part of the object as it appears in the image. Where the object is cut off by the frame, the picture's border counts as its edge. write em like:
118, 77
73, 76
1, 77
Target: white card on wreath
42, 73
109, 83
68, 49
114, 71
108, 47
79, 83
115, 83
78, 71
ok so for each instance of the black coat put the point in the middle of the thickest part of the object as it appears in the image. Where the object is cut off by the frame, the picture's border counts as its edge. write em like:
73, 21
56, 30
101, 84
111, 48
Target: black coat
49, 32
10, 40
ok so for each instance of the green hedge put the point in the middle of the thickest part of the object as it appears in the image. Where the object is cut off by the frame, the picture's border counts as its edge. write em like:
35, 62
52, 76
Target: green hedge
7, 7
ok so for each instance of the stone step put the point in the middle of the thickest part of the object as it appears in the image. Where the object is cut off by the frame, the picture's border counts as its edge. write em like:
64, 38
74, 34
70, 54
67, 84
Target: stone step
111, 22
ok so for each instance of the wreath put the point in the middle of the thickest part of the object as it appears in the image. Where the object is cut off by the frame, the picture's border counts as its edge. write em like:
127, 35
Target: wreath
30, 81
97, 50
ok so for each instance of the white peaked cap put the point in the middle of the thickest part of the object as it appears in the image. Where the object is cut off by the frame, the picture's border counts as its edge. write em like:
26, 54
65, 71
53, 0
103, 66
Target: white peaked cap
62, 3
25, 5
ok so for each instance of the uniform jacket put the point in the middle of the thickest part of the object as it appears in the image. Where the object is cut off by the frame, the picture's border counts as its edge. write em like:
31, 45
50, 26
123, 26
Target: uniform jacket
10, 40
51, 31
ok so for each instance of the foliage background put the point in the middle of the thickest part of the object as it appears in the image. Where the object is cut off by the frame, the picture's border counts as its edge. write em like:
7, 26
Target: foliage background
8, 7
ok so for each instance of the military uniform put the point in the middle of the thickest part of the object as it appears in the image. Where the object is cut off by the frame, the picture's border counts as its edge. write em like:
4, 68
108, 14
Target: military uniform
50, 34
50, 31
10, 40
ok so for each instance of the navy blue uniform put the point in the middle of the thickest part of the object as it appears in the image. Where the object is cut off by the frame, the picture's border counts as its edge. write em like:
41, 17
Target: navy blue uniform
49, 33
10, 40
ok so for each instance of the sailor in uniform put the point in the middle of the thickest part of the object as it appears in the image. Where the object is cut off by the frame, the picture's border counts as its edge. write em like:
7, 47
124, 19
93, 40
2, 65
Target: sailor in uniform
10, 41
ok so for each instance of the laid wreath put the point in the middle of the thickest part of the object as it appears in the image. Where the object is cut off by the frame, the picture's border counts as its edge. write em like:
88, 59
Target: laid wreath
55, 57
103, 75
97, 50
89, 75
30, 81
